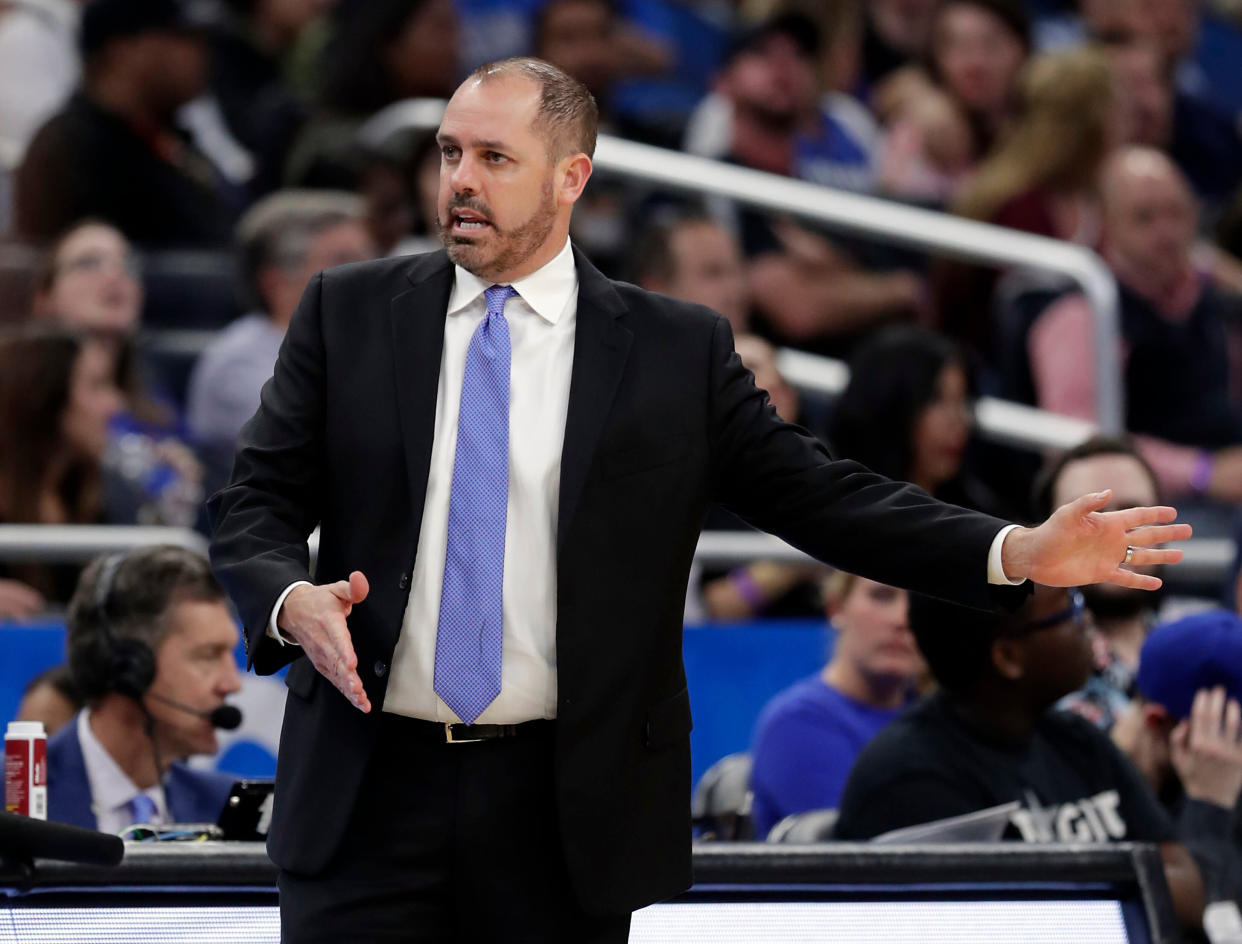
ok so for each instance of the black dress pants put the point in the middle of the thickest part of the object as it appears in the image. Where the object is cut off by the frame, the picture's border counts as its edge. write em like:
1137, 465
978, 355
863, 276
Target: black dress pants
449, 843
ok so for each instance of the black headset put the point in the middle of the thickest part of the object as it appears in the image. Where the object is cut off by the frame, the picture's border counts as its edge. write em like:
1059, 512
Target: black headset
128, 663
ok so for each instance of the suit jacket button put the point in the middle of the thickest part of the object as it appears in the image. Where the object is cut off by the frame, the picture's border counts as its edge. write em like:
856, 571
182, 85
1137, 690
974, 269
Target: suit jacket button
404, 582
380, 669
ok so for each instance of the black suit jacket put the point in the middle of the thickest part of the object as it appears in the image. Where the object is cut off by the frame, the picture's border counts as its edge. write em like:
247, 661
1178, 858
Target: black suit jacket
662, 420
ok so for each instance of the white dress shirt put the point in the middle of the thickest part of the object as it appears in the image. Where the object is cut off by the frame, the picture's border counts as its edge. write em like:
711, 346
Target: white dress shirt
111, 788
541, 320
541, 330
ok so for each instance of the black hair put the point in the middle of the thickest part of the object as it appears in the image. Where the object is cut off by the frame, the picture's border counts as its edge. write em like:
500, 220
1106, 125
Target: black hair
892, 380
957, 640
539, 22
141, 587
1045, 484
1010, 12
796, 26
355, 79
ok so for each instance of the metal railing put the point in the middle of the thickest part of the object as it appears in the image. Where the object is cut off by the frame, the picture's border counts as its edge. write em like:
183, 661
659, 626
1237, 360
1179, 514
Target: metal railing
1206, 560
1002, 421
883, 220
78, 543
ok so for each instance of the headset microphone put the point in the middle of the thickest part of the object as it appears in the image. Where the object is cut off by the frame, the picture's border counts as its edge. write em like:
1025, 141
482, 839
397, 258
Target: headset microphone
226, 717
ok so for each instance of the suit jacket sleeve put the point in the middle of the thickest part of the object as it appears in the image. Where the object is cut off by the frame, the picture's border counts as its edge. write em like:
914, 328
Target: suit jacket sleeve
783, 480
263, 518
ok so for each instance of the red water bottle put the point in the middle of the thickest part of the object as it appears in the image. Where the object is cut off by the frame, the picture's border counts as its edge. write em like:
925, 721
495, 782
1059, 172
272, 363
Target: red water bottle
25, 769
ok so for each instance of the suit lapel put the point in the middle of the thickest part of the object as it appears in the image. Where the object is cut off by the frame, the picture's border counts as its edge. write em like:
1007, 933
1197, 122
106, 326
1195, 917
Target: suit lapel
418, 340
69, 788
601, 348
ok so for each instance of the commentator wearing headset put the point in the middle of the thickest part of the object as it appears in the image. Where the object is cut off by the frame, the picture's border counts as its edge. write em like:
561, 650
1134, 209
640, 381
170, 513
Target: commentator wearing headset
150, 646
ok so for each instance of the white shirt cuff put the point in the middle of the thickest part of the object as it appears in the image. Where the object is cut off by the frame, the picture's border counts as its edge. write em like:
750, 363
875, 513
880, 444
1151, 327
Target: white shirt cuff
996, 573
273, 632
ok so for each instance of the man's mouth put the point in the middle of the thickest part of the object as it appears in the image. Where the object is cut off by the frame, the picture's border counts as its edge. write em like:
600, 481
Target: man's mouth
467, 221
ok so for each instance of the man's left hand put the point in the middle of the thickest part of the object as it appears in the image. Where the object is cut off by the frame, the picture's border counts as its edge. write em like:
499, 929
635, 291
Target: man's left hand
1080, 544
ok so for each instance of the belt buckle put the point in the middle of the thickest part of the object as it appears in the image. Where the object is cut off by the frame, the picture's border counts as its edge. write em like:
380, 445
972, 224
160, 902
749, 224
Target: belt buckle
448, 735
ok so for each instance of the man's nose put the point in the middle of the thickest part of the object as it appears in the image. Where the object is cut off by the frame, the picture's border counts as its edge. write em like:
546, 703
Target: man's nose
464, 178
230, 680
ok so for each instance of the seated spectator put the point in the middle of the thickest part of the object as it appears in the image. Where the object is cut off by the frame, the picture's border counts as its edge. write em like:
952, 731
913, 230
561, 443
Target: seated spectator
150, 644
907, 413
39, 68
1173, 321
250, 51
807, 291
57, 400
1040, 178
1121, 616
807, 737
673, 49
284, 240
929, 147
1202, 141
896, 33
51, 698
767, 110
380, 52
762, 588
694, 258
590, 41
1189, 691
114, 151
978, 48
988, 738
88, 283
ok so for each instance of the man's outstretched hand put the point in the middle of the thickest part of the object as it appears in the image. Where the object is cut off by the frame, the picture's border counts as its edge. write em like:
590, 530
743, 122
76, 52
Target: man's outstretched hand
315, 618
1080, 544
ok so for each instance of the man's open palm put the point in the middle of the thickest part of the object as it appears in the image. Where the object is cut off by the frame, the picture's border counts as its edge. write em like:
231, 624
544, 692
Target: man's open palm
1079, 544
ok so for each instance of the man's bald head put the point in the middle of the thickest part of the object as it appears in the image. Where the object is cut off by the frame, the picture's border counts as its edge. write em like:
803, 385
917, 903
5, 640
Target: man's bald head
1150, 218
1129, 170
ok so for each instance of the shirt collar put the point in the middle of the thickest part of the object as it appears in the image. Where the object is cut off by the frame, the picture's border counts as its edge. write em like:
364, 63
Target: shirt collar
547, 290
111, 788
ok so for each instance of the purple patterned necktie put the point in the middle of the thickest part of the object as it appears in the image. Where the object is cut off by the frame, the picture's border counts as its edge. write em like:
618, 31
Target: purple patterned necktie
141, 809
468, 643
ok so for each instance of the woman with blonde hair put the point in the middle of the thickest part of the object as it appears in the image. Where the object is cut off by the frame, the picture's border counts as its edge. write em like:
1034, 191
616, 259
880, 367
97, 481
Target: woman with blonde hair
1040, 178
807, 737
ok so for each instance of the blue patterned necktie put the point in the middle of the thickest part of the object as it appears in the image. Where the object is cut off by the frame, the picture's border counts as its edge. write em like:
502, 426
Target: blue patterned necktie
141, 809
468, 642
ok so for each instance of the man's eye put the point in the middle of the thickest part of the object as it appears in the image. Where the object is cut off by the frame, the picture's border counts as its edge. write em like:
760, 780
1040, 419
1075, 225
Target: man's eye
495, 158
449, 151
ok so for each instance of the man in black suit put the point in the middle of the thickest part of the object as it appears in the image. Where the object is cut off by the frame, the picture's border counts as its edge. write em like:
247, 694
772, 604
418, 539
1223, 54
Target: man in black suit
531, 607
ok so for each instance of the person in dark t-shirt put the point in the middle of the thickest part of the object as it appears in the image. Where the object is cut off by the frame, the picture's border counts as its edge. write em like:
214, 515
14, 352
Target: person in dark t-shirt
988, 738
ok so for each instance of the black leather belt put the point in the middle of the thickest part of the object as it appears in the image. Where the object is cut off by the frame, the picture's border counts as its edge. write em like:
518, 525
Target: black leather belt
447, 733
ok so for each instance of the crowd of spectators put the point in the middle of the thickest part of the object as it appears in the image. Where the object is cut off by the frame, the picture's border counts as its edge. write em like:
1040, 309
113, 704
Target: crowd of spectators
172, 173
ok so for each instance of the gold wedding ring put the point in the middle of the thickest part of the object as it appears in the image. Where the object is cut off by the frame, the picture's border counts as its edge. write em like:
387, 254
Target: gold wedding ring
1129, 554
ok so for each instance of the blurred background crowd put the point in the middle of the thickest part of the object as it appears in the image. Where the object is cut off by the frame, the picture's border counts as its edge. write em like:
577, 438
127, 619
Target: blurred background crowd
172, 173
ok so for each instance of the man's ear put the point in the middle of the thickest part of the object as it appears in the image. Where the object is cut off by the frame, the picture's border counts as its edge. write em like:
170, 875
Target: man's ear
573, 172
270, 280
1156, 718
1009, 658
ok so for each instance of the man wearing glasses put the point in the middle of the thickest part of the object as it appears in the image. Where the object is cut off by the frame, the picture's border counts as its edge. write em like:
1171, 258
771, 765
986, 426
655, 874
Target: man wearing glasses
987, 738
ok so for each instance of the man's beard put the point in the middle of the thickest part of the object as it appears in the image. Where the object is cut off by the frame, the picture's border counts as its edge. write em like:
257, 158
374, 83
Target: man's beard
514, 246
1111, 604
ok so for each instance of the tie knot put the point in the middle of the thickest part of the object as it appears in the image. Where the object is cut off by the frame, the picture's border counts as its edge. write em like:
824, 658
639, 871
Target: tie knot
141, 808
496, 297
